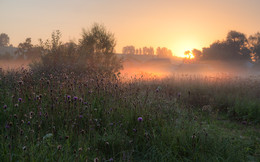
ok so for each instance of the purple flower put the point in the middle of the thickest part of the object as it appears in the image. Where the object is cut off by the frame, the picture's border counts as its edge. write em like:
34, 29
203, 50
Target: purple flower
7, 126
111, 159
75, 98
140, 119
29, 123
134, 130
20, 99
5, 106
80, 116
68, 97
179, 95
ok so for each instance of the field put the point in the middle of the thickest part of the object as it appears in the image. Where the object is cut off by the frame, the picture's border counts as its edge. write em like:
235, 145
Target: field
183, 117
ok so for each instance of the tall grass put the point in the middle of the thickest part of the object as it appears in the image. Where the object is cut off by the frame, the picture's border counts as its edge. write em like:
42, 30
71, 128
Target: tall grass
69, 117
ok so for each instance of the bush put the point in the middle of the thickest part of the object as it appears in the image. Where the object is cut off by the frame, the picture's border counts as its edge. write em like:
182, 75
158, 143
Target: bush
93, 55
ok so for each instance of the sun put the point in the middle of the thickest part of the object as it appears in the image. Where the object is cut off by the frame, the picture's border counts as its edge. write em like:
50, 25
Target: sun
188, 54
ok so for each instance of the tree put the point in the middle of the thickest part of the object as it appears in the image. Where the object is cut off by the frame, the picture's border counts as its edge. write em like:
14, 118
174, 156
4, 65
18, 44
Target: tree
237, 38
197, 54
129, 50
24, 48
235, 48
254, 43
4, 39
163, 52
27, 51
97, 46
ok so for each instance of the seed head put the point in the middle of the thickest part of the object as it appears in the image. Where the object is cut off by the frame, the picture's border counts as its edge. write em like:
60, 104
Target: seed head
59, 147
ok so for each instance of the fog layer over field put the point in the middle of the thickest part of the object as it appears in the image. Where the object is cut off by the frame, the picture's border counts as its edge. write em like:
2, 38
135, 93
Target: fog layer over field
162, 67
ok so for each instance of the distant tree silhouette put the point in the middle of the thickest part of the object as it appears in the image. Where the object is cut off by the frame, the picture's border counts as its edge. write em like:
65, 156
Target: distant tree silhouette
163, 52
4, 39
140, 51
27, 50
235, 47
197, 54
129, 50
136, 51
145, 51
254, 42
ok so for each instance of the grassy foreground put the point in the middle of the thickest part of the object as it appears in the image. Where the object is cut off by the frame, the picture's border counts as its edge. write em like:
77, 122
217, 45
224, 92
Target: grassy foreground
65, 117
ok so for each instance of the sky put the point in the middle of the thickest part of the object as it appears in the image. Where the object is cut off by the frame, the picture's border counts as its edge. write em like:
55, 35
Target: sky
179, 25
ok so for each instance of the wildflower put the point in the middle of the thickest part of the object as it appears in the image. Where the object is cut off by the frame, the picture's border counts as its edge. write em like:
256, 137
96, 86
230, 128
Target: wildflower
24, 148
111, 159
140, 119
134, 130
75, 98
179, 95
80, 116
96, 159
21, 132
7, 126
20, 82
16, 105
20, 99
82, 131
29, 123
59, 147
193, 136
68, 97
5, 106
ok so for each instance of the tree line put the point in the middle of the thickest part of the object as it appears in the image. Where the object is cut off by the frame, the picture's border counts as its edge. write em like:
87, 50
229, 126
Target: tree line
235, 47
160, 51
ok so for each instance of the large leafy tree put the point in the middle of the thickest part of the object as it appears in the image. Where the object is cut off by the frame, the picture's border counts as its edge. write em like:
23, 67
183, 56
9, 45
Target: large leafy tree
97, 47
235, 48
4, 39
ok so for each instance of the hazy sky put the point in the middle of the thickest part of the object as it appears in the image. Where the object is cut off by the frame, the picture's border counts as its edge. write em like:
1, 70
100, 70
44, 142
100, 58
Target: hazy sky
176, 24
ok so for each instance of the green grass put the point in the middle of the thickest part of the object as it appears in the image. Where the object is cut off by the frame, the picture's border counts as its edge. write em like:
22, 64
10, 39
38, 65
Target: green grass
185, 118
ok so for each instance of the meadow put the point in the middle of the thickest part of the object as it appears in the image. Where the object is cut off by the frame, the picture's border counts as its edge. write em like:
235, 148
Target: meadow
183, 117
